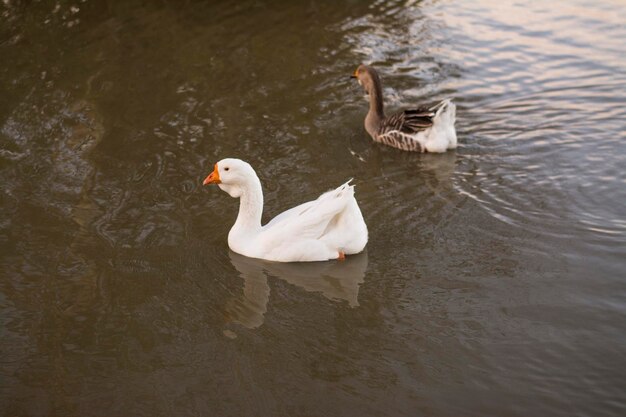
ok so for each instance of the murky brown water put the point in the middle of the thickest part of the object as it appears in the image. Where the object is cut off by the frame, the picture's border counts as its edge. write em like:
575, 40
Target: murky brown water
494, 282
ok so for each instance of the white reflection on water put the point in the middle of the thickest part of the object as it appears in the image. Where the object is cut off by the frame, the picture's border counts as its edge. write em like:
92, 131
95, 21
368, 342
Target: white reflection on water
335, 280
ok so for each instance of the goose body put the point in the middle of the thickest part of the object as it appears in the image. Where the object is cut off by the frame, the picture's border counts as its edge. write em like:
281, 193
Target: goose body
329, 227
428, 128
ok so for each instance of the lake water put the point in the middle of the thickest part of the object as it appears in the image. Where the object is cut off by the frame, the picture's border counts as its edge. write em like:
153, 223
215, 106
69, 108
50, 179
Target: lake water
494, 282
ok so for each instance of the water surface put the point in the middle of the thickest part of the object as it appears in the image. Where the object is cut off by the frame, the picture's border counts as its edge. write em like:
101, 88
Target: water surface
494, 280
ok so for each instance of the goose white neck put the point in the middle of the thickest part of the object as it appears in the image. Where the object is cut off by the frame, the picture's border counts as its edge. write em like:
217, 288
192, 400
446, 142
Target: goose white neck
250, 207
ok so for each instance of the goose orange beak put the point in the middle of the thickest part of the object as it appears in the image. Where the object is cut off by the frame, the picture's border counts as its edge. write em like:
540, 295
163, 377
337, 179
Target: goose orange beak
354, 74
213, 178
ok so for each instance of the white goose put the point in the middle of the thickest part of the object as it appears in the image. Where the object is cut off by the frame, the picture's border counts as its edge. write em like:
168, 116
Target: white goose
327, 228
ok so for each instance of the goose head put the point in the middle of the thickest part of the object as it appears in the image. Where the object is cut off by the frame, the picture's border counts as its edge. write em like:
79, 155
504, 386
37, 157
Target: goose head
367, 77
233, 176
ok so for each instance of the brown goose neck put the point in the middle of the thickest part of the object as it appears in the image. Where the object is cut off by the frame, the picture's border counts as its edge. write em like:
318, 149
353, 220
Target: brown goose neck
376, 97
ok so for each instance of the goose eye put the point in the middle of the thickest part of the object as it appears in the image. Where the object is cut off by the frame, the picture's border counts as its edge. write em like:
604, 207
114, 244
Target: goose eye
226, 169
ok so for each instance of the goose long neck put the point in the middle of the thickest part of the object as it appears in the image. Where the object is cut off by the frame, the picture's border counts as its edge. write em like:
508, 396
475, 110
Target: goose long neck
250, 207
376, 98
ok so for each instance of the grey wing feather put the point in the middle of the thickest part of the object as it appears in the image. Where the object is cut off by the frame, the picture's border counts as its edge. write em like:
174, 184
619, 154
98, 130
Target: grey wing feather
409, 121
399, 130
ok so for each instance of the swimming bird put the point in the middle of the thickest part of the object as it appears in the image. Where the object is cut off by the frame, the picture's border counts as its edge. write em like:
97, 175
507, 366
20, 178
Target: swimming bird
428, 128
330, 227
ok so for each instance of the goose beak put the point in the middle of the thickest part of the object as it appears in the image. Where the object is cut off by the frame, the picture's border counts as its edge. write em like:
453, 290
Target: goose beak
354, 75
213, 178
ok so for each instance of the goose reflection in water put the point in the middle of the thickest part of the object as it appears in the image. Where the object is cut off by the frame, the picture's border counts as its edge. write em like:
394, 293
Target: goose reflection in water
338, 280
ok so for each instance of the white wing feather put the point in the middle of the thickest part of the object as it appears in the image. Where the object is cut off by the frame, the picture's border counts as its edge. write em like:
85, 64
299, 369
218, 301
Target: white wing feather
309, 220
